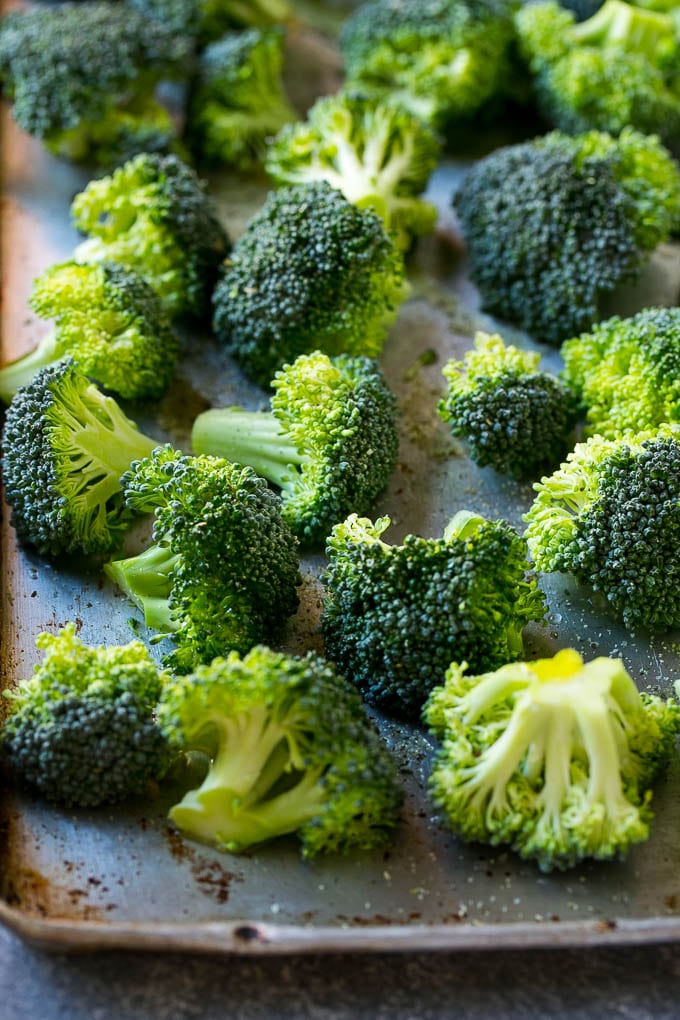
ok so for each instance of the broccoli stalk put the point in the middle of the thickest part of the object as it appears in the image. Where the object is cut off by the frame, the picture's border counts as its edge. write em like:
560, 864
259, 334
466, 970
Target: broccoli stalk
20, 372
626, 26
147, 579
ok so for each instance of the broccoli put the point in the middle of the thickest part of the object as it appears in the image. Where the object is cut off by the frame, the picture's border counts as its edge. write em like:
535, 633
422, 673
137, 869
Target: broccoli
617, 68
610, 515
554, 758
396, 615
310, 272
238, 103
554, 225
292, 751
442, 60
329, 442
82, 78
378, 155
514, 417
155, 216
626, 372
65, 447
222, 571
112, 324
81, 730
208, 20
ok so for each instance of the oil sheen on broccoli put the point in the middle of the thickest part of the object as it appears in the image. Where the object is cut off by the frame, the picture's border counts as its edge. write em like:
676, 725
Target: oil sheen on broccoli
396, 615
554, 758
292, 751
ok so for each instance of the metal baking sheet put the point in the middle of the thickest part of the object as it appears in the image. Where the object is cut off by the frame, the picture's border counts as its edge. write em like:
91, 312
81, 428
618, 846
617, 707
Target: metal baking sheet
122, 877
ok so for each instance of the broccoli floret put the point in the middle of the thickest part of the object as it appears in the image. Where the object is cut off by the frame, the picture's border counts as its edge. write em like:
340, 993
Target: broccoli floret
238, 103
208, 20
514, 417
626, 372
65, 447
154, 215
396, 615
330, 441
292, 751
617, 68
378, 155
223, 568
610, 515
81, 730
553, 757
442, 60
110, 321
82, 77
311, 272
555, 224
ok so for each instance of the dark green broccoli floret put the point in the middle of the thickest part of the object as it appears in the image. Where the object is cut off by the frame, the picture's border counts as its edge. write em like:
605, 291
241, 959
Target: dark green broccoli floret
514, 417
440, 59
238, 103
396, 615
82, 77
81, 730
554, 757
617, 68
311, 272
110, 321
154, 215
626, 372
378, 155
208, 20
65, 447
329, 442
292, 751
222, 571
611, 516
555, 224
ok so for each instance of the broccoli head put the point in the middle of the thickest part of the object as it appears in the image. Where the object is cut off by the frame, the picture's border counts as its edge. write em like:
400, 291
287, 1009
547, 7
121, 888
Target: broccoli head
554, 758
110, 321
610, 515
154, 215
208, 20
329, 442
292, 751
514, 417
378, 155
81, 730
82, 77
223, 568
65, 447
311, 272
396, 615
442, 60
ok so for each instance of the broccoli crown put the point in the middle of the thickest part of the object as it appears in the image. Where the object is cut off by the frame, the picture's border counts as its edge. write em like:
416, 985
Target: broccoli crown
210, 19
395, 616
441, 59
626, 372
553, 757
617, 68
154, 215
65, 447
378, 155
550, 230
223, 569
110, 321
514, 417
330, 441
292, 751
310, 272
238, 103
610, 515
73, 64
81, 730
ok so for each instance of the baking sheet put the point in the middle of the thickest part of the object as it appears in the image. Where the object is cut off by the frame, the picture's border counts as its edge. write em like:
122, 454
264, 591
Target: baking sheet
121, 876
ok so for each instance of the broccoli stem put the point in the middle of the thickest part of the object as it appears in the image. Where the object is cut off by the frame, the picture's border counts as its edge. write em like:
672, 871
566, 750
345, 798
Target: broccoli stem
621, 24
147, 580
21, 371
253, 438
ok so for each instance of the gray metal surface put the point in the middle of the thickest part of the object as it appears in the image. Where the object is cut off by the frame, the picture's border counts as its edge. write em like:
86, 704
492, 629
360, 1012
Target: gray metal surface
122, 877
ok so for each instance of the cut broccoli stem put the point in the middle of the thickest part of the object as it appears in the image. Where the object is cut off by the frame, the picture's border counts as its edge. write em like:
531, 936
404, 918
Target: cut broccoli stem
21, 371
620, 24
255, 438
147, 580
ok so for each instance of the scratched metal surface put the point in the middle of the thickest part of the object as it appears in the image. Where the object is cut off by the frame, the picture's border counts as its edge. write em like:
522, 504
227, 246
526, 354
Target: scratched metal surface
121, 877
